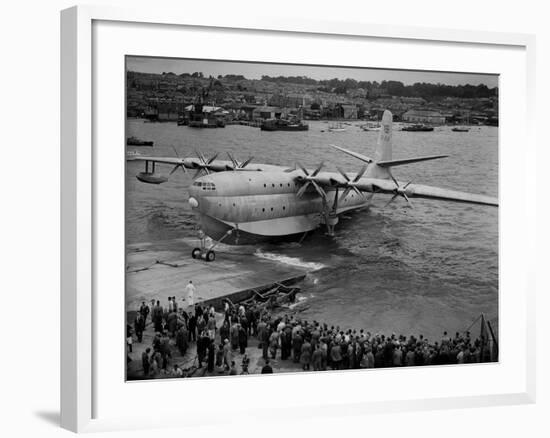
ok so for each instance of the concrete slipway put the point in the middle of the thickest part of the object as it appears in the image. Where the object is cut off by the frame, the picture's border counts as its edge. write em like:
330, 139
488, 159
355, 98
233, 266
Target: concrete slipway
162, 269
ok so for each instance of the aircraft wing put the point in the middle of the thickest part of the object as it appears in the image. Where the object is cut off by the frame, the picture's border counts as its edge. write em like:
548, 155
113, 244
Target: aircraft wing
200, 164
164, 160
421, 191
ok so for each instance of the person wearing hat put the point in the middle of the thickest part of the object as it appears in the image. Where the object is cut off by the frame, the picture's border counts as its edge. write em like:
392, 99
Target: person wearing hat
144, 310
267, 368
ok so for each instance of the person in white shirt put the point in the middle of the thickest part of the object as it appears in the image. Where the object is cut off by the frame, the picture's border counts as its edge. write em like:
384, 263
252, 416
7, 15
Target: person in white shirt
190, 289
170, 305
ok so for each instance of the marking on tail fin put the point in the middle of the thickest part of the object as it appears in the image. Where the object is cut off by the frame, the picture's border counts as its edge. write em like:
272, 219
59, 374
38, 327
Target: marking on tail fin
384, 146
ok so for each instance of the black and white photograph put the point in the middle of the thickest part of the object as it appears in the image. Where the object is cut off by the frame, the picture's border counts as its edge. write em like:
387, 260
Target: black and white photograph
285, 218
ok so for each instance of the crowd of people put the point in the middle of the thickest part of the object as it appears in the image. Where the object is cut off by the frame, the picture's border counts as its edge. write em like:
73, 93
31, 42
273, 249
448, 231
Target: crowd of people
222, 341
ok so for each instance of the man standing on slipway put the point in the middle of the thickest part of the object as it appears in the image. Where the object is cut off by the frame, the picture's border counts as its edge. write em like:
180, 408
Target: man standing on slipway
190, 289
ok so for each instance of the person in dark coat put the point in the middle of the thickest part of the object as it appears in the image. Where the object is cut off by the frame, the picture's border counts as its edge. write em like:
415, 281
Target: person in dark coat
297, 343
388, 353
182, 340
379, 357
192, 327
145, 362
249, 315
305, 356
286, 342
317, 358
144, 311
344, 354
211, 356
243, 339
267, 368
202, 345
261, 330
139, 326
224, 330
157, 316
172, 323
234, 336
336, 356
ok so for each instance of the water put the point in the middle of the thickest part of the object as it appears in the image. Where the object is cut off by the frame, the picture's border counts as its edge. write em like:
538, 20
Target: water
389, 269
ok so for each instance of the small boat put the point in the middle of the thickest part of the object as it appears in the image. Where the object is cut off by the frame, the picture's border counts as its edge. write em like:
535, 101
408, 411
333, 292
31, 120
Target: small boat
460, 129
417, 127
338, 127
283, 125
371, 126
132, 154
134, 141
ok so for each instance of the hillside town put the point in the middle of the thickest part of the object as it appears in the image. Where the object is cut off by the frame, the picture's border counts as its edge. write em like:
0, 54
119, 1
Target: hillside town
234, 98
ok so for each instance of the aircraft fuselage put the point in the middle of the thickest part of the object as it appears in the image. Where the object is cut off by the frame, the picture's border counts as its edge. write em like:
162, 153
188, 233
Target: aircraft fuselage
262, 205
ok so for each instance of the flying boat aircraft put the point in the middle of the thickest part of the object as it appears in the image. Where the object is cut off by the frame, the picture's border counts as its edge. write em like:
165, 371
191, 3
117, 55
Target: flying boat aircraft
246, 203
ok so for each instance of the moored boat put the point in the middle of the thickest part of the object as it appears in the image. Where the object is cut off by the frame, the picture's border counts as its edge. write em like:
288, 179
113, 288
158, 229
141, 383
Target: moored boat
371, 126
338, 127
283, 125
134, 141
417, 127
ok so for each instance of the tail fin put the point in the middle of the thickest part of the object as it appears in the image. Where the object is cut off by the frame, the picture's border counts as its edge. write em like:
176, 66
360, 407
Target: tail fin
384, 148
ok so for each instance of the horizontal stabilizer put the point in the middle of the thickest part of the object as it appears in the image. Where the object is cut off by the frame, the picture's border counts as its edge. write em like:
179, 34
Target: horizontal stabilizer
392, 163
354, 154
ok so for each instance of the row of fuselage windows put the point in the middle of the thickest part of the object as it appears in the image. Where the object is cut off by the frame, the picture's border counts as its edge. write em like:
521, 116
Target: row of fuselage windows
212, 186
263, 209
281, 185
205, 185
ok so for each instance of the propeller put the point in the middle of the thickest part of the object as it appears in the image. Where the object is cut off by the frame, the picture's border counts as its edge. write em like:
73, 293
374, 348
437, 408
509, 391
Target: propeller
177, 165
236, 164
400, 191
205, 165
351, 184
310, 180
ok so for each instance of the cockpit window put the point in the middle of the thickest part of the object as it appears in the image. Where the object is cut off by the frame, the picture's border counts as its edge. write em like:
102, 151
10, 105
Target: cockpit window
205, 185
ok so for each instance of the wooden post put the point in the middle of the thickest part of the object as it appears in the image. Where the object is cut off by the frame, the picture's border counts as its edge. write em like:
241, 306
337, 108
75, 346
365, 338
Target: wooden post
493, 336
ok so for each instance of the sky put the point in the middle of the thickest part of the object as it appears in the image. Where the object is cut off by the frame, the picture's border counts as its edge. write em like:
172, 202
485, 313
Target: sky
256, 70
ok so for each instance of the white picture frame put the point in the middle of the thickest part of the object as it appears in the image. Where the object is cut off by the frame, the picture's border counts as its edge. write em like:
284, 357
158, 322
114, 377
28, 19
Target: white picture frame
82, 221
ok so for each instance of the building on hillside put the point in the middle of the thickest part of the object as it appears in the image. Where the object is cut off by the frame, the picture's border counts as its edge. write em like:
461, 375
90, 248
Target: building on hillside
266, 112
345, 111
424, 116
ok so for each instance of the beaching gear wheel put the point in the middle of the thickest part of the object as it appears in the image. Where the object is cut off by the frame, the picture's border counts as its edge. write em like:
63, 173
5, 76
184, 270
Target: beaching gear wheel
196, 253
210, 256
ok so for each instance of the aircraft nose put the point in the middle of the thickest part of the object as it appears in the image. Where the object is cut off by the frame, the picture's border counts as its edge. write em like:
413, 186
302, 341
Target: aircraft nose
193, 202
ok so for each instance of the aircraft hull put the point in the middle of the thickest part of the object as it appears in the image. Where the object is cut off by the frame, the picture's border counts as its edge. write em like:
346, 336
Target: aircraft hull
282, 229
217, 229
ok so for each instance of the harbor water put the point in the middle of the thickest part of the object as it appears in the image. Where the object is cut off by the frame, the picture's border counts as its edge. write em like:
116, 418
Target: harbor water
390, 268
